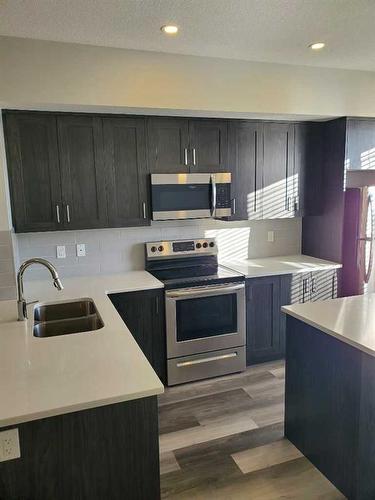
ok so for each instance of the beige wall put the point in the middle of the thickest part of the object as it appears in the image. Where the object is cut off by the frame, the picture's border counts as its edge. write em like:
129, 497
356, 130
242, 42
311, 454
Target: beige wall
50, 75
53, 75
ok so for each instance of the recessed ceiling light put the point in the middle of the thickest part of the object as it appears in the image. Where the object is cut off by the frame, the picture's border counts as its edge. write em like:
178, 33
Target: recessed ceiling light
169, 29
317, 45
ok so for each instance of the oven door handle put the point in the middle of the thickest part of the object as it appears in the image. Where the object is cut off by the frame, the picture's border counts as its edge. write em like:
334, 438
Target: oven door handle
194, 292
213, 195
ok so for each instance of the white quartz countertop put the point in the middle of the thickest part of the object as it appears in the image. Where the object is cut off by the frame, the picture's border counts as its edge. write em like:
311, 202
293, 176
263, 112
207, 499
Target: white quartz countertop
350, 319
285, 264
43, 377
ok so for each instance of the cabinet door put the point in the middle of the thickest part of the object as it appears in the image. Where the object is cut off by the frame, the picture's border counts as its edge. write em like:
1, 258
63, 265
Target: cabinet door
263, 319
34, 174
209, 146
82, 172
289, 294
143, 314
245, 158
126, 169
360, 149
323, 285
277, 186
301, 161
168, 145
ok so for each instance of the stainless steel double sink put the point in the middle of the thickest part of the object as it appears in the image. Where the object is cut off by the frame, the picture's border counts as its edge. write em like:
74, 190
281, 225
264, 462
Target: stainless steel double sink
64, 318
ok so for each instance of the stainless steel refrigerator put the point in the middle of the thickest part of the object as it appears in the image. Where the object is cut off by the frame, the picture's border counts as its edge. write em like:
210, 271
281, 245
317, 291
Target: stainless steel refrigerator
358, 242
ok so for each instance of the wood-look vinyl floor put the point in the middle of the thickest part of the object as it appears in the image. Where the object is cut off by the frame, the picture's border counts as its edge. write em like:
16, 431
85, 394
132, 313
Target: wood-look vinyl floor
223, 438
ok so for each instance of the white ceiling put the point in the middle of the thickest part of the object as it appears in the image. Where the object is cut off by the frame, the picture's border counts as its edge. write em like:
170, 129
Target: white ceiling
255, 30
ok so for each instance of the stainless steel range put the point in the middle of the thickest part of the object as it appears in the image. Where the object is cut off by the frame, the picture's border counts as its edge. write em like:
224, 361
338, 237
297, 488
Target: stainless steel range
205, 309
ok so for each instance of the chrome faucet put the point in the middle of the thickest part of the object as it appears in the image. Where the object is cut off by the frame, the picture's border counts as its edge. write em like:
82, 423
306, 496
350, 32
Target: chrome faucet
21, 302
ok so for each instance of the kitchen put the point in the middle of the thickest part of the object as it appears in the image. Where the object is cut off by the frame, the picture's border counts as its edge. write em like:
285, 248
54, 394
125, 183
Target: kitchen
175, 238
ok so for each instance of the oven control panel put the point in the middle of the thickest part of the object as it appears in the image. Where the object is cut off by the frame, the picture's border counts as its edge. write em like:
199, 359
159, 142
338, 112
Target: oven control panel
181, 248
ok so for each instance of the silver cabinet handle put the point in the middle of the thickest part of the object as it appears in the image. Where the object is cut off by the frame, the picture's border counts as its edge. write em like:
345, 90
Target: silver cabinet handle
144, 210
313, 289
185, 156
213, 195
58, 214
194, 157
68, 213
296, 203
288, 203
206, 360
234, 206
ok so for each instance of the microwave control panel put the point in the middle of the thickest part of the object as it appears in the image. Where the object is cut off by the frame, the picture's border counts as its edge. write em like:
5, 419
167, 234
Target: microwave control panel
223, 199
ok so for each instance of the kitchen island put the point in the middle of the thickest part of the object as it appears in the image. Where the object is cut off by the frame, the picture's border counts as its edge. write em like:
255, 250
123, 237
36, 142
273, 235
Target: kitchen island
330, 389
84, 404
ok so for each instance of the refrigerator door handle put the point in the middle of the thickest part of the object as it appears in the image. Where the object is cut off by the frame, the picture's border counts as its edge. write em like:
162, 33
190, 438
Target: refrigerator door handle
370, 239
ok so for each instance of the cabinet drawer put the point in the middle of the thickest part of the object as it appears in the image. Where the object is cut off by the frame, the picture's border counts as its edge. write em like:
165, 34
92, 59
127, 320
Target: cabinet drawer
206, 365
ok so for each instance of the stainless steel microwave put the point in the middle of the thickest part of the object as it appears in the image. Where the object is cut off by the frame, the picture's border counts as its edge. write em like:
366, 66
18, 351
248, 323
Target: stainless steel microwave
191, 196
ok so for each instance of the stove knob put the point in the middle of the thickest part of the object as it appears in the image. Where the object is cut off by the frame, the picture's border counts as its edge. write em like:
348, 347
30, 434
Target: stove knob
153, 249
161, 248
212, 244
205, 244
198, 245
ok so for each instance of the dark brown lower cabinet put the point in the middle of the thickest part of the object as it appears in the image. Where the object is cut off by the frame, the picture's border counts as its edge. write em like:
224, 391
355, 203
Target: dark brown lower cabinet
143, 313
265, 324
110, 452
265, 328
330, 407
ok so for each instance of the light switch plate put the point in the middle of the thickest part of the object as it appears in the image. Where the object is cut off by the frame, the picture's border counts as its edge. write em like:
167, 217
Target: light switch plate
60, 252
81, 250
9, 445
271, 236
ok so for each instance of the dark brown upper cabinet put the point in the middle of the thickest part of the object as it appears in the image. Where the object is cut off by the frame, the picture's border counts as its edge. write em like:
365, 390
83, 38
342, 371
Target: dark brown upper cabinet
302, 156
208, 145
126, 169
34, 175
278, 183
245, 159
360, 145
83, 178
168, 145
179, 145
82, 171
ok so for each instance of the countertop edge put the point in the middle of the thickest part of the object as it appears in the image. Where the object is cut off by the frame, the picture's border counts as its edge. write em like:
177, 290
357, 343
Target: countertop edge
332, 333
240, 266
56, 412
326, 267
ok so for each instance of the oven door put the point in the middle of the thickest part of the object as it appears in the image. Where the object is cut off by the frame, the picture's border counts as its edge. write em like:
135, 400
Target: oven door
204, 319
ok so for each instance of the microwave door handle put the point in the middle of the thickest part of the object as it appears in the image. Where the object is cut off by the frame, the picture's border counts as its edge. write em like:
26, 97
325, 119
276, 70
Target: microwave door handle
213, 195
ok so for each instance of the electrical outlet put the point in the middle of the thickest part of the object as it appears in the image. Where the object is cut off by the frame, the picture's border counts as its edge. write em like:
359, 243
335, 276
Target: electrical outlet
271, 236
60, 252
9, 445
81, 250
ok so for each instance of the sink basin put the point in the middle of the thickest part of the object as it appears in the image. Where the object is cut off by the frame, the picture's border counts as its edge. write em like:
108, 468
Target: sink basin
65, 318
64, 310
68, 326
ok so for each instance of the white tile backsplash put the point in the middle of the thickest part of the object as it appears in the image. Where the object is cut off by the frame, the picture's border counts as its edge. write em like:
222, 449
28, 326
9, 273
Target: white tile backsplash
118, 250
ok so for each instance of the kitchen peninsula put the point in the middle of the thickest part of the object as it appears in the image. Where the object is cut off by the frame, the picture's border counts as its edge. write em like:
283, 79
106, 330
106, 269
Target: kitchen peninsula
84, 404
330, 389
